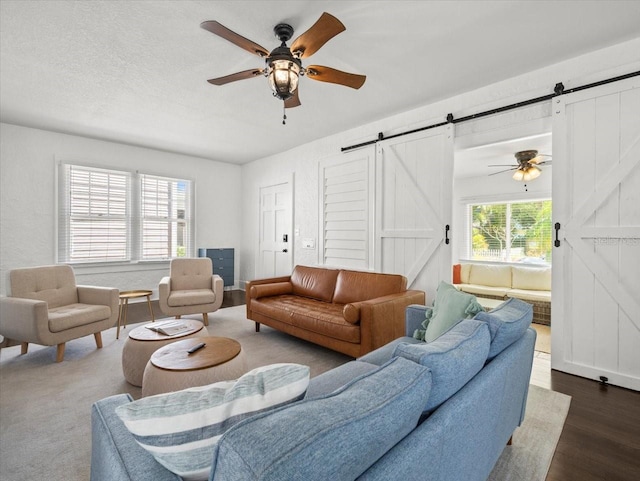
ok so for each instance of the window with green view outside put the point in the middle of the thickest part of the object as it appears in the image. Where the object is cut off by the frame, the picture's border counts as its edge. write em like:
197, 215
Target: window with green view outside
511, 232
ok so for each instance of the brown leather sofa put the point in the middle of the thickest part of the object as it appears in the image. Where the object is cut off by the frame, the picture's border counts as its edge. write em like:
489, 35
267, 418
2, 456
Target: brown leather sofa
351, 312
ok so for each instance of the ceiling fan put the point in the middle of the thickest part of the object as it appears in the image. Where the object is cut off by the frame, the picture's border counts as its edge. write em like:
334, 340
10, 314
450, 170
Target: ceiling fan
283, 65
528, 165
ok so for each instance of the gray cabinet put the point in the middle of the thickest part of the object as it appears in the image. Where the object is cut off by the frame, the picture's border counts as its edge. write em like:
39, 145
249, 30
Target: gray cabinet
222, 260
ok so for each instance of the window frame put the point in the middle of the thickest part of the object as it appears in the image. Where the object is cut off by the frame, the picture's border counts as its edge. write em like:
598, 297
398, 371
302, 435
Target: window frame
134, 219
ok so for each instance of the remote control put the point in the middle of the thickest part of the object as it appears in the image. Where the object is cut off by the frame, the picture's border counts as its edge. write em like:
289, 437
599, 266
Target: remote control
196, 348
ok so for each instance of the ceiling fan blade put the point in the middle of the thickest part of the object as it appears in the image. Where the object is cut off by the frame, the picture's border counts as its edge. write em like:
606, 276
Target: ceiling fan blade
245, 74
501, 171
222, 31
332, 75
503, 165
320, 33
292, 101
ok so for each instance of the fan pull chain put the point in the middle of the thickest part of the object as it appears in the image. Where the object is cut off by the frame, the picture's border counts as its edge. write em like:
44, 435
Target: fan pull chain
284, 115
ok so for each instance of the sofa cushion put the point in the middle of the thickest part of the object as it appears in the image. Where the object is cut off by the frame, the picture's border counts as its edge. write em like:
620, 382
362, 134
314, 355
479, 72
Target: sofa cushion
355, 286
531, 278
449, 306
191, 298
324, 318
180, 429
527, 295
477, 290
316, 283
507, 323
490, 275
454, 358
465, 272
333, 437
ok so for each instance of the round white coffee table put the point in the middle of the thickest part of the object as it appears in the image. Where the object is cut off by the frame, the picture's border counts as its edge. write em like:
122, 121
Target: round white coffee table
172, 368
142, 343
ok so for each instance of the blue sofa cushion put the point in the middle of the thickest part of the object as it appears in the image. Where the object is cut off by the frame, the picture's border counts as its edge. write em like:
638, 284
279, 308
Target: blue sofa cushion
336, 436
180, 429
454, 358
507, 323
449, 306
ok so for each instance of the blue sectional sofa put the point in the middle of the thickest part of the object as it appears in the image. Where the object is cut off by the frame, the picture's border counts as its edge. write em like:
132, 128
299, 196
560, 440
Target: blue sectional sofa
408, 410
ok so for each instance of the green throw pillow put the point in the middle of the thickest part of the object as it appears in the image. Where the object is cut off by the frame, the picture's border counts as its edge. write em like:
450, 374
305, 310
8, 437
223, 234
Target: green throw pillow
449, 307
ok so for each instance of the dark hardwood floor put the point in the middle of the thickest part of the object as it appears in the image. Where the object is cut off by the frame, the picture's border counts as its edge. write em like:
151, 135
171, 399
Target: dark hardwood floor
601, 436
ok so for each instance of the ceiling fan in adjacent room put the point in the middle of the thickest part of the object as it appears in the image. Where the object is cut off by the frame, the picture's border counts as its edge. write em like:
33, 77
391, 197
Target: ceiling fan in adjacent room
528, 166
283, 66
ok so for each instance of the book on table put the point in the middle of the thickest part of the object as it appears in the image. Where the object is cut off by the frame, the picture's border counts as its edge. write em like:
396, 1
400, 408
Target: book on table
169, 328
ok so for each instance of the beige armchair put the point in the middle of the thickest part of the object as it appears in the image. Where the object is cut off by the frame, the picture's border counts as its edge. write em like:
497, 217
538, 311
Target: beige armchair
47, 307
191, 288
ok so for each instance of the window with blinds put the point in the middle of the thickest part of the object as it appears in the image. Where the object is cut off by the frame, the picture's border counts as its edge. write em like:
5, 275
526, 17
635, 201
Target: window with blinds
94, 215
118, 216
510, 232
166, 216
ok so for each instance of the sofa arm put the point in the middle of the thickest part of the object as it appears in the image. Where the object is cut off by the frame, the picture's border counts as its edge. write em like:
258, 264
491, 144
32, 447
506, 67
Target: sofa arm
382, 319
217, 284
25, 320
164, 289
102, 296
271, 289
414, 316
115, 454
259, 282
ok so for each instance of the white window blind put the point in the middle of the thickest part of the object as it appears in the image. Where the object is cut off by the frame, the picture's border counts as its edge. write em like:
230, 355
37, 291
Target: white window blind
510, 232
117, 216
166, 217
94, 215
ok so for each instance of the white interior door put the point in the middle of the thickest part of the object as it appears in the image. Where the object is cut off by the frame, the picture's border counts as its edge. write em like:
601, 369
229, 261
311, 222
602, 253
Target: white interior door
276, 242
596, 201
414, 180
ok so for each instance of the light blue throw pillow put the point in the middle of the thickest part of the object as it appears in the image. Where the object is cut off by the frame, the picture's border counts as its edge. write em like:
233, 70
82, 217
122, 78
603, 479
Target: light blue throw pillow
454, 358
333, 437
180, 429
449, 307
507, 323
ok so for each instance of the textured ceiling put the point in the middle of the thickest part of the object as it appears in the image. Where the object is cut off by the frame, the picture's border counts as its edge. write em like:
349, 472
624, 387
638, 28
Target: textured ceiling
136, 71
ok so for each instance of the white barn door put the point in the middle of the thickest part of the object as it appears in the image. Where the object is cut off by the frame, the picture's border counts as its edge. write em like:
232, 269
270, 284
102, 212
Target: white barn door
414, 180
596, 201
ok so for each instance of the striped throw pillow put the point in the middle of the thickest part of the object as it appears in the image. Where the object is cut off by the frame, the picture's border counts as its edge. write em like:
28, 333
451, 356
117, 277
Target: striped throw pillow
180, 429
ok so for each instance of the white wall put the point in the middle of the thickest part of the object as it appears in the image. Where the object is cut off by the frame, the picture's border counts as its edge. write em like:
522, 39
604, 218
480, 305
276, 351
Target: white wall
302, 162
27, 193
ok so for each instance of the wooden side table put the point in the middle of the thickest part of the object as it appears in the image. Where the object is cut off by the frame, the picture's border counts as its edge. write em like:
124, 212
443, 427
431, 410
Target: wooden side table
172, 368
124, 306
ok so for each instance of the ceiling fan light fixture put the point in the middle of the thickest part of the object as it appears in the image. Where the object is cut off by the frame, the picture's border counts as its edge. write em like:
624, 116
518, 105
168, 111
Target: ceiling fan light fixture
531, 173
283, 77
518, 175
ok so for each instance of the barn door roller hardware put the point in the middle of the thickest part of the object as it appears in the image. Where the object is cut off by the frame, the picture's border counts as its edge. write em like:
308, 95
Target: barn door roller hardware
557, 90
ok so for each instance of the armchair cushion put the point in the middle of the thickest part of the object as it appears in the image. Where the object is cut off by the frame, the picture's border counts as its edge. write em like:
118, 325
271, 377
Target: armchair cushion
191, 273
74, 315
56, 285
191, 298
